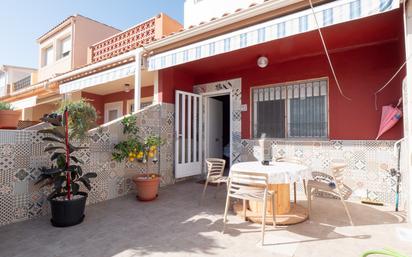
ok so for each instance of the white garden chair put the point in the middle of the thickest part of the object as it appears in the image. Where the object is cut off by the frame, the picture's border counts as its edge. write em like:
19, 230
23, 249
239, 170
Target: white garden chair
337, 188
250, 186
215, 169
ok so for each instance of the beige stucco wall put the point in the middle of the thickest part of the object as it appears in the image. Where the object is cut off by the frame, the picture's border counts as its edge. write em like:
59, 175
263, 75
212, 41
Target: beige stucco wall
87, 33
56, 66
84, 33
38, 111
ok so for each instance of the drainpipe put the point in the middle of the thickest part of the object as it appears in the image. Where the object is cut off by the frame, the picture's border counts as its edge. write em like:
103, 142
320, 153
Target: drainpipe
138, 79
408, 106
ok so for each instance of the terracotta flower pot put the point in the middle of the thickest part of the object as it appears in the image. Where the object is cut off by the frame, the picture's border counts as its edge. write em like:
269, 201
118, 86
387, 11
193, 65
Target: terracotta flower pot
9, 119
147, 188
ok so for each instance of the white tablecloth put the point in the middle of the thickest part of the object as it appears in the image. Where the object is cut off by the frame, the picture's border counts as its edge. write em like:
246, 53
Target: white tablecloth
278, 172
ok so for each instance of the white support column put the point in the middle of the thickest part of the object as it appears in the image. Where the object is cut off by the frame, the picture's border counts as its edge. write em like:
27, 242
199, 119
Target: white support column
408, 105
138, 80
155, 87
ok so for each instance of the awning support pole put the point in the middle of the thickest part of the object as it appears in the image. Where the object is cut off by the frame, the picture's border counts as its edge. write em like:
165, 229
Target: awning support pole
138, 80
155, 87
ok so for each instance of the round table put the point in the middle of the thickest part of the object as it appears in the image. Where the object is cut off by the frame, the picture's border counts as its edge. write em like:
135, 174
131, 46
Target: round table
280, 176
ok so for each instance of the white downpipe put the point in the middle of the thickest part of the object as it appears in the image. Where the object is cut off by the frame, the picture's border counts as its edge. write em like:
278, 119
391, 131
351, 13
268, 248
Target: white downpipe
408, 106
138, 80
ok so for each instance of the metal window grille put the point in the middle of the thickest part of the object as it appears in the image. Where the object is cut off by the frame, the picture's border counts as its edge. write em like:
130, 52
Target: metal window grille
23, 83
293, 110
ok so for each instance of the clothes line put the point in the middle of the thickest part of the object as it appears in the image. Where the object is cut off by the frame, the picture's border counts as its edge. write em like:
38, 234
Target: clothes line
327, 53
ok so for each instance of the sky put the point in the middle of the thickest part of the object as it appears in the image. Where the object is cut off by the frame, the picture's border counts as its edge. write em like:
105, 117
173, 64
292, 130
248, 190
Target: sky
23, 21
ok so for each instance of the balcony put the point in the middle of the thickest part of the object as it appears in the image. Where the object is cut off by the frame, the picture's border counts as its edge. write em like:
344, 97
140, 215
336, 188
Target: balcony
125, 41
21, 84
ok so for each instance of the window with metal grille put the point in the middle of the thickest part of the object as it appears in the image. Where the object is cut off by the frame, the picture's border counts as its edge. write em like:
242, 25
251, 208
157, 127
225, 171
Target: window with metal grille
291, 110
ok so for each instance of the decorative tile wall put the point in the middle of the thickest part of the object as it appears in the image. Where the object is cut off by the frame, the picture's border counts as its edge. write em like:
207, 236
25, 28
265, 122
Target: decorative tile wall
364, 174
22, 153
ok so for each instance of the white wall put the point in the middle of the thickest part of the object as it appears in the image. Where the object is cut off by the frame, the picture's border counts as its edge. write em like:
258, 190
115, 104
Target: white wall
197, 11
15, 74
3, 85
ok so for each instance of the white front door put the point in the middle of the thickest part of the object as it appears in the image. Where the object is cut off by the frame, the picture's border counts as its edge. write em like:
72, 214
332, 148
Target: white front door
214, 128
113, 111
188, 131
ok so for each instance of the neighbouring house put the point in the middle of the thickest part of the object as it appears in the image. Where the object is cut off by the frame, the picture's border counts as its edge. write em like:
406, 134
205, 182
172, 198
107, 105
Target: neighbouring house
61, 49
108, 81
12, 78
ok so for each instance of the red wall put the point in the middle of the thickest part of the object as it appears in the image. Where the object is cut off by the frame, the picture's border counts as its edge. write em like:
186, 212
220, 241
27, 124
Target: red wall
171, 80
98, 101
360, 72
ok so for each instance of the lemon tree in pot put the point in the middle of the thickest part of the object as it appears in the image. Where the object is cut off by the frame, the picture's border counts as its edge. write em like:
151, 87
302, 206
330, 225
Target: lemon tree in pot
143, 150
66, 175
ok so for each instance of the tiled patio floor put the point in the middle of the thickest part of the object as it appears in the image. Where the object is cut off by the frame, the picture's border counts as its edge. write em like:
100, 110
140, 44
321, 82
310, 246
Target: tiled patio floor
175, 225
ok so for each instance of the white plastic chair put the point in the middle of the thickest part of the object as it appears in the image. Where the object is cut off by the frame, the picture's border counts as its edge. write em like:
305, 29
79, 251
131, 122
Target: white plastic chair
297, 161
215, 169
338, 168
250, 186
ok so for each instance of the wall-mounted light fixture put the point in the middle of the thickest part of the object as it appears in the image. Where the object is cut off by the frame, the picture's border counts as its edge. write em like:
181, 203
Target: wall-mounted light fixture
127, 88
263, 62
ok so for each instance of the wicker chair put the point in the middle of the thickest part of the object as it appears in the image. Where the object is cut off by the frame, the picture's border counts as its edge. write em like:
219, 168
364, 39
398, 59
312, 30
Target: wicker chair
250, 186
335, 188
215, 169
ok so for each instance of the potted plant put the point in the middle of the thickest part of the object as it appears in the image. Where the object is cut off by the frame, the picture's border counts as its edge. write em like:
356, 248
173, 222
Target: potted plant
66, 175
136, 149
9, 118
82, 118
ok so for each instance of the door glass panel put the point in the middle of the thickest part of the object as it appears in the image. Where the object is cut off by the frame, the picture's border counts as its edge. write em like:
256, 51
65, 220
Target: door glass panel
113, 114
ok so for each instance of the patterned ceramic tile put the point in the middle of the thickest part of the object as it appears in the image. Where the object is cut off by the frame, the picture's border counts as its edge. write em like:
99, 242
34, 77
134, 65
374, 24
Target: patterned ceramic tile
7, 150
8, 137
6, 209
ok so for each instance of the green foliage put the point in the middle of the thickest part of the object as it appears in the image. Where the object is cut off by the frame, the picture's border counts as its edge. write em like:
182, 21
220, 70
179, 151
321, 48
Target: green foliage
82, 117
130, 126
123, 149
134, 148
5, 106
56, 176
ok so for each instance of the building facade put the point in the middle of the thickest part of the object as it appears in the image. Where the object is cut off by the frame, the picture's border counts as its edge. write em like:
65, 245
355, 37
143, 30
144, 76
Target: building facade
251, 82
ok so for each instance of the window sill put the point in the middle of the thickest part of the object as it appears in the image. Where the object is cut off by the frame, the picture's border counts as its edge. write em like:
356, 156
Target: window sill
63, 58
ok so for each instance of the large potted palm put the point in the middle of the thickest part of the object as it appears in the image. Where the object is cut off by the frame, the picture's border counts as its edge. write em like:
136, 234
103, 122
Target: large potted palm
144, 151
66, 175
9, 118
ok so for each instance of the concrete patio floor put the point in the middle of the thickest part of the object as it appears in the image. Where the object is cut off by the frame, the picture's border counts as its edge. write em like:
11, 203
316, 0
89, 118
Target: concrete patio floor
175, 225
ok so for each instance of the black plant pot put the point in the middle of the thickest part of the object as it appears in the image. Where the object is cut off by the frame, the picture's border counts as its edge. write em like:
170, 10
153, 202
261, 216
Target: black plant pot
68, 213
